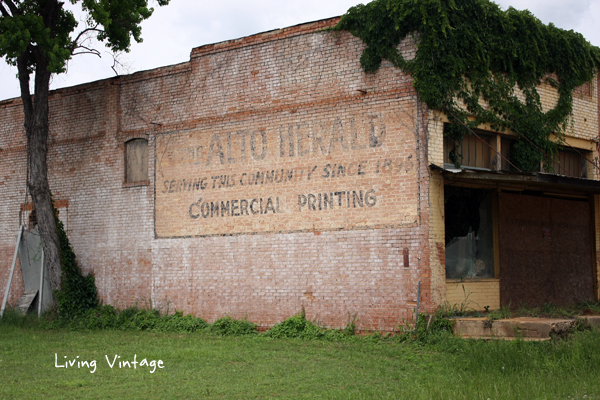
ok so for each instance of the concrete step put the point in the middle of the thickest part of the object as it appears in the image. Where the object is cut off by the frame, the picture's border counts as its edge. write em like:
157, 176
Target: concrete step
526, 328
593, 320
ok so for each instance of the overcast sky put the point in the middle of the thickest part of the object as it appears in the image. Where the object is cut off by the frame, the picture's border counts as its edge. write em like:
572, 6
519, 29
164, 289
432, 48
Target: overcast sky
171, 33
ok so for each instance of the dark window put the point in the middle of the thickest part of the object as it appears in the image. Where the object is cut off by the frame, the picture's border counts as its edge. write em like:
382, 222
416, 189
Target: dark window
469, 230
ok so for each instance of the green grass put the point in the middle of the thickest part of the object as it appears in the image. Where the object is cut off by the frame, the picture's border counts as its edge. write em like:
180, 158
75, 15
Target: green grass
201, 365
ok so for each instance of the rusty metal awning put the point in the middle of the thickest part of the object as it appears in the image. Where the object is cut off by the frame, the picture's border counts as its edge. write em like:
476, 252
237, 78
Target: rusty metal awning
517, 180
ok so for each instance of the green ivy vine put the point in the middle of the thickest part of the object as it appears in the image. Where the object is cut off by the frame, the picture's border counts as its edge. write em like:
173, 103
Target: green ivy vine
77, 293
470, 50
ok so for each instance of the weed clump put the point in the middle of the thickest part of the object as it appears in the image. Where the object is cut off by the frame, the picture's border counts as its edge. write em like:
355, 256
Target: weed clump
427, 329
227, 326
130, 319
150, 320
502, 313
298, 326
14, 317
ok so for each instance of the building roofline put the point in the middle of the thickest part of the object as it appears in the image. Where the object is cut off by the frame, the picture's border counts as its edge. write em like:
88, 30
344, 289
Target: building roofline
254, 39
518, 180
263, 37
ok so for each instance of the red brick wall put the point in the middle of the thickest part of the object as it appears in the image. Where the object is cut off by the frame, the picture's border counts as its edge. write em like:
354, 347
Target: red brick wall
332, 270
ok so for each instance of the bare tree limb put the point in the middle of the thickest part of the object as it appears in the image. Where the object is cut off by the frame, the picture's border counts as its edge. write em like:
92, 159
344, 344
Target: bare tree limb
86, 30
4, 11
89, 50
118, 63
12, 7
95, 53
115, 63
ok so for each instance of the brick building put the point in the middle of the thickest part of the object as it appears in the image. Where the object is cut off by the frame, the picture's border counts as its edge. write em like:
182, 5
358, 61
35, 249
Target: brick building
270, 174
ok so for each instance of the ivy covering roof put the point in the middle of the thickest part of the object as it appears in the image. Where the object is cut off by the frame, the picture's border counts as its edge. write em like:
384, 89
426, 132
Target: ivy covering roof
472, 50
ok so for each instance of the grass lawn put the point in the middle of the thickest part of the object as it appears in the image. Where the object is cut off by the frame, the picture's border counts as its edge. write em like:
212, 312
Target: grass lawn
254, 367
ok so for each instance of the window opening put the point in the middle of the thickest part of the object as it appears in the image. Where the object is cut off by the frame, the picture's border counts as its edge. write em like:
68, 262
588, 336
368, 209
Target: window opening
569, 163
469, 233
471, 152
136, 155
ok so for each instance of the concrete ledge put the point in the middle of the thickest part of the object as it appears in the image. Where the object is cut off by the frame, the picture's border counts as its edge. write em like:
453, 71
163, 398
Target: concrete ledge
593, 320
526, 328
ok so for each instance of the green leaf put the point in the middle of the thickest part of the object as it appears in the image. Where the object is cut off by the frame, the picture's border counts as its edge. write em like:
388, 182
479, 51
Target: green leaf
474, 51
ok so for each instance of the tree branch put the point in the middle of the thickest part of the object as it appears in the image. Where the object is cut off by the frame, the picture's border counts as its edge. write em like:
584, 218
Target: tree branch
94, 52
4, 11
89, 51
94, 29
22, 64
12, 7
86, 30
115, 63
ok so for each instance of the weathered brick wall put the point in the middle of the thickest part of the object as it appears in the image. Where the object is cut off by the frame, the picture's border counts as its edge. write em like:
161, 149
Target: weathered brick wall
356, 243
12, 188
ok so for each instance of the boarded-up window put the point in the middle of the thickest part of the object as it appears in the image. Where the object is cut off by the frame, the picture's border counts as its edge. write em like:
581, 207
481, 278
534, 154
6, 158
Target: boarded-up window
570, 163
136, 154
505, 151
472, 152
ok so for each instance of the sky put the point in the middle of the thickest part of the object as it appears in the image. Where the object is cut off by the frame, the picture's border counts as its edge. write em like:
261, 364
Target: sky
173, 31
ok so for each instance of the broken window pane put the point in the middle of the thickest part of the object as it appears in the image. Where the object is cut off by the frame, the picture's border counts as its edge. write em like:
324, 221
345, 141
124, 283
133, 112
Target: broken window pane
469, 233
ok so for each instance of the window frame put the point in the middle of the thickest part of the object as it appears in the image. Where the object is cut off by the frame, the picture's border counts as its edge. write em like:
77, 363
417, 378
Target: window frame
484, 141
126, 143
569, 157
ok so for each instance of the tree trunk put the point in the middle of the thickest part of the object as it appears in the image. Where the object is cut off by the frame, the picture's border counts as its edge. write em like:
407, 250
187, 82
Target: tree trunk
37, 144
37, 129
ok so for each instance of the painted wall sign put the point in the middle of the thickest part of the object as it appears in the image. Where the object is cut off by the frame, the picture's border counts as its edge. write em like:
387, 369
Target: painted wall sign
296, 172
